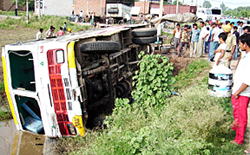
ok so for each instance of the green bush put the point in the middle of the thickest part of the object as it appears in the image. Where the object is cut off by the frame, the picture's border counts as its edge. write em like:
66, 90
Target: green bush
153, 81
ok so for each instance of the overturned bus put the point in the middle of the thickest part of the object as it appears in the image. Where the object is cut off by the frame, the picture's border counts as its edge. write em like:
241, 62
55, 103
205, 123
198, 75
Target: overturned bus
57, 86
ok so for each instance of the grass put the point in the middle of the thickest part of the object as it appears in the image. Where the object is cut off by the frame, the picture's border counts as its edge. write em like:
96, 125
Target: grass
12, 13
190, 74
44, 22
5, 115
192, 123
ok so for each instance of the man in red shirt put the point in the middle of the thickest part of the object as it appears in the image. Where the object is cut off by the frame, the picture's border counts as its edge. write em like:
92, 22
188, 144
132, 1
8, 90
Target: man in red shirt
60, 32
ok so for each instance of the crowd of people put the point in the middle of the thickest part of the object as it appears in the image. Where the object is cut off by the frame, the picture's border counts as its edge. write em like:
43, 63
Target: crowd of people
206, 39
50, 33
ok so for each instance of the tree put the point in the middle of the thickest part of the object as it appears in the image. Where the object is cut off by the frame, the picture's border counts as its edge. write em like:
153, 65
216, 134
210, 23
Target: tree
175, 2
23, 3
223, 7
238, 12
207, 4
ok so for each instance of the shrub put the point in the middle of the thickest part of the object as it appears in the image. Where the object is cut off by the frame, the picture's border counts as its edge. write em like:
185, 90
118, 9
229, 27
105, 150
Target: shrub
153, 81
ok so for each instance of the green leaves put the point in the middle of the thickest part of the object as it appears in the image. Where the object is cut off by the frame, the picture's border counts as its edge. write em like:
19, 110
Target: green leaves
152, 80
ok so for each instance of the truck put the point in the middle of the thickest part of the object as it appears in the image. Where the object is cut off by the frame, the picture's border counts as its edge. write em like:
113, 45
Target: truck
117, 11
204, 14
216, 13
60, 86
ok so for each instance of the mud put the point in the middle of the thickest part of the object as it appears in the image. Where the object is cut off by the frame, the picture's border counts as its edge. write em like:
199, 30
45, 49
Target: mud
14, 142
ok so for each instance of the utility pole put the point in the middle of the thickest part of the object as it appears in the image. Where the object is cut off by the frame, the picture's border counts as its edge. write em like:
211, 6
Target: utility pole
16, 5
27, 11
88, 7
39, 9
161, 9
144, 6
177, 6
16, 8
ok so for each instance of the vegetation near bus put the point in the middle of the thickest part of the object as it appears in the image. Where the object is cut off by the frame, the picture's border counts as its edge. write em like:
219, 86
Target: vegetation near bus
192, 123
43, 22
4, 110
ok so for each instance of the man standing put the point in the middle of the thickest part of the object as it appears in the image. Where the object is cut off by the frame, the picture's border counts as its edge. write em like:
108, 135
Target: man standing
195, 33
39, 34
203, 34
127, 17
236, 33
231, 44
239, 27
184, 40
176, 34
64, 27
241, 92
214, 40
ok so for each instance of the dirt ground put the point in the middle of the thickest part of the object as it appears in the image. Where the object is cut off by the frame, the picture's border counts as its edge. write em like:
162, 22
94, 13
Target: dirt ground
178, 62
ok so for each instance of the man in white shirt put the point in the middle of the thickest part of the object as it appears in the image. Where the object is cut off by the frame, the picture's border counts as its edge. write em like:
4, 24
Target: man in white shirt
214, 40
203, 34
81, 14
127, 17
241, 91
39, 34
50, 32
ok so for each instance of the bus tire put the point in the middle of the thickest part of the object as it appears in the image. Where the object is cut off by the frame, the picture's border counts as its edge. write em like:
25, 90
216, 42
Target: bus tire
101, 47
144, 32
144, 40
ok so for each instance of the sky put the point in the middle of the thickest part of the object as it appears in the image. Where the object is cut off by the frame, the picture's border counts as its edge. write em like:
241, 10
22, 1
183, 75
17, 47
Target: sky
216, 3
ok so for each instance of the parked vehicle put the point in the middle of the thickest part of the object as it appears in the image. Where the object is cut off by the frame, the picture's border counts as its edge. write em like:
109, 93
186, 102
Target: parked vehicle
117, 11
204, 14
216, 13
59, 86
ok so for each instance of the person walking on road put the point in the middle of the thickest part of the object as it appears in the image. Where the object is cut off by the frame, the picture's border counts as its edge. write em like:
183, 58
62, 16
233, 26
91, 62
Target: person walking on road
241, 92
214, 40
203, 34
184, 41
39, 34
231, 44
176, 34
195, 33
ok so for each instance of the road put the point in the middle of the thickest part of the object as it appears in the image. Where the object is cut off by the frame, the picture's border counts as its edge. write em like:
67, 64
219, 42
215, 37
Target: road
2, 17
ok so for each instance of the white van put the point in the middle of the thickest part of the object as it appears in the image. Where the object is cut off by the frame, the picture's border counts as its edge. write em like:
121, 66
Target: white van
204, 14
55, 86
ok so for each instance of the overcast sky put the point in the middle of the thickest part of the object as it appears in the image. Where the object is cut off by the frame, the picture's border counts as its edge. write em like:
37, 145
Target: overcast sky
216, 3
